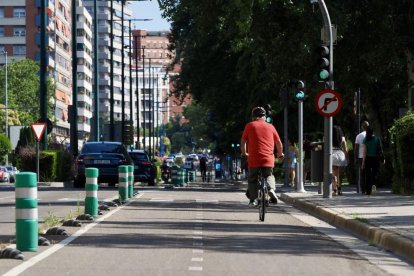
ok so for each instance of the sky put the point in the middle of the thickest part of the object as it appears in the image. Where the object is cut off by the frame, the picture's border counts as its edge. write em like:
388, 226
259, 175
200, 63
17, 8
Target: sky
148, 10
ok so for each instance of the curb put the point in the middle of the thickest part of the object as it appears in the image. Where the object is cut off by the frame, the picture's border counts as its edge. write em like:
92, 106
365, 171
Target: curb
385, 239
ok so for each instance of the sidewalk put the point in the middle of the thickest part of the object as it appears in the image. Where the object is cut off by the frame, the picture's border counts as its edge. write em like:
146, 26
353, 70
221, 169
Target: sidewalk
383, 219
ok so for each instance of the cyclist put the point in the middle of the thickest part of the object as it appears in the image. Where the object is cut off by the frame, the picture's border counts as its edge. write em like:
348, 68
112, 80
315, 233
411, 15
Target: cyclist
257, 143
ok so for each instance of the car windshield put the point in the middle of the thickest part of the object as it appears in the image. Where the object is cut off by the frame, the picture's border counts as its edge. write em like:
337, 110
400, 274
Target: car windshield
10, 168
138, 156
102, 148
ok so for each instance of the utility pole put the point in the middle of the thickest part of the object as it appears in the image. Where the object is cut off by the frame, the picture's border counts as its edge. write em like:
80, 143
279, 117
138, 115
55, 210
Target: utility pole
42, 77
111, 94
328, 121
74, 107
138, 144
122, 76
95, 120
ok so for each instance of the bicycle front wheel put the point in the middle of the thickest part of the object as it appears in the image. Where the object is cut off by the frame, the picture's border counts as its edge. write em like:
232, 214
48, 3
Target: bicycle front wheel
262, 204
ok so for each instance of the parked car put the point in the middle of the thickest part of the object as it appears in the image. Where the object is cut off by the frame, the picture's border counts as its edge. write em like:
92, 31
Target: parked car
144, 169
4, 174
106, 157
12, 171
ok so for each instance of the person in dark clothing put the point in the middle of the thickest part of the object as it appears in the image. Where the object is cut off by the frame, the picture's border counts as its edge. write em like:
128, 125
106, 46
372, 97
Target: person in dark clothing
370, 159
203, 168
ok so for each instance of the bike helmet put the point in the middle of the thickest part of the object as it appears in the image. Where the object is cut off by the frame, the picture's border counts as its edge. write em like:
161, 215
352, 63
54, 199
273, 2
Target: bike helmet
258, 112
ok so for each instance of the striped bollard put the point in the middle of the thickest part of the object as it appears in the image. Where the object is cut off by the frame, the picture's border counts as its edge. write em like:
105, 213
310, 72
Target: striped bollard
123, 182
131, 181
91, 190
26, 212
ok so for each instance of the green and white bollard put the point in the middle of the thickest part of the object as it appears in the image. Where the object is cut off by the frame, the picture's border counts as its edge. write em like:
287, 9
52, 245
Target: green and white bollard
131, 181
26, 212
91, 190
123, 182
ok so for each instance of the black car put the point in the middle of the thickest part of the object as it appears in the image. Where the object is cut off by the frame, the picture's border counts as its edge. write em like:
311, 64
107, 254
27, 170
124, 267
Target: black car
144, 169
106, 157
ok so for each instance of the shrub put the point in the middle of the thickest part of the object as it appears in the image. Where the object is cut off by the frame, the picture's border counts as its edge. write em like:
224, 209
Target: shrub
402, 138
5, 147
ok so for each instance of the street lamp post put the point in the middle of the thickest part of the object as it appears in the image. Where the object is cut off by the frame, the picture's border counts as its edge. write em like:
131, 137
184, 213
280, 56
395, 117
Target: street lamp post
6, 103
328, 121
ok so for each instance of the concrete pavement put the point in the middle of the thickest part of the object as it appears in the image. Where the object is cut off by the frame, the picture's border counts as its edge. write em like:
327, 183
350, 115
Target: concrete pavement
383, 219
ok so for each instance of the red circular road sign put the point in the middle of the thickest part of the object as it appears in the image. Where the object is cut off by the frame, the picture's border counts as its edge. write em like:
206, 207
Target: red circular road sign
328, 102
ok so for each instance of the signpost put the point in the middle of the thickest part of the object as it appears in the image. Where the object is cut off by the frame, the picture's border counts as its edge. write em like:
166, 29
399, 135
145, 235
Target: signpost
38, 129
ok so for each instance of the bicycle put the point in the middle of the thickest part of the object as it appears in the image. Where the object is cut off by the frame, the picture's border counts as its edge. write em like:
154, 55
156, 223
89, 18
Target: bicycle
263, 195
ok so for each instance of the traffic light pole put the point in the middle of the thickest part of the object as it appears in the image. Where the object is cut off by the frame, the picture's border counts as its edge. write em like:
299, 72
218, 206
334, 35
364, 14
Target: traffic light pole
328, 121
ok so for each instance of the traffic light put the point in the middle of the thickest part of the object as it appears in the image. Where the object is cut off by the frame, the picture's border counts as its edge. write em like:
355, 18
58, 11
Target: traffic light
268, 109
299, 90
323, 63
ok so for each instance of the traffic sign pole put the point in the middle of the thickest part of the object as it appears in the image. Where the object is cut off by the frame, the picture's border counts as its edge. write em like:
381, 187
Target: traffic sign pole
38, 129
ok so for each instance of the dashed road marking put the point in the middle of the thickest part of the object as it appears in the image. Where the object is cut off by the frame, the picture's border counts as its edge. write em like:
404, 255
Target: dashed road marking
195, 259
161, 200
195, 268
198, 251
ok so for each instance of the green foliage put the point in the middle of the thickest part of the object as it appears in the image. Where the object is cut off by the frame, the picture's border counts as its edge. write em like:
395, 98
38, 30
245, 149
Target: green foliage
5, 147
402, 135
54, 165
26, 138
179, 161
23, 91
238, 54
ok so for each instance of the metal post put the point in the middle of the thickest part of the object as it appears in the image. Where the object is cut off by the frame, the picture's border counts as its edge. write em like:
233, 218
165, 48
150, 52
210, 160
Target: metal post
358, 106
42, 76
6, 104
95, 122
138, 146
131, 113
285, 130
74, 117
143, 96
299, 185
158, 115
111, 96
122, 76
328, 121
149, 108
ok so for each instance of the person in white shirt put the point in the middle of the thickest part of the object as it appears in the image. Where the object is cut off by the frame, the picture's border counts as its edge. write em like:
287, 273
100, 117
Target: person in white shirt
358, 154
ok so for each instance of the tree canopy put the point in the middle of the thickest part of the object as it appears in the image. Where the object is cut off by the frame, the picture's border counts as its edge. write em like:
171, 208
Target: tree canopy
237, 54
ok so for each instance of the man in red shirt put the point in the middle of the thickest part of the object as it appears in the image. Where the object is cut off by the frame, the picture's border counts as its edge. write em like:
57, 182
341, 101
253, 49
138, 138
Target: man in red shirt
257, 143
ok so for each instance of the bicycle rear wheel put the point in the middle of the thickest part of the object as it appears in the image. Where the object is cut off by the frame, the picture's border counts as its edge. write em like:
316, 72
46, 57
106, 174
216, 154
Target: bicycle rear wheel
262, 203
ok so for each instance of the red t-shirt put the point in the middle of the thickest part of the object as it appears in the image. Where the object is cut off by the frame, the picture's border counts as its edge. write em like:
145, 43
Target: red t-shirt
261, 137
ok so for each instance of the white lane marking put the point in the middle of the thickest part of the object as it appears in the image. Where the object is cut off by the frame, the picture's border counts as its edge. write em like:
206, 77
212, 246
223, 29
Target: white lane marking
197, 238
68, 199
6, 197
374, 255
198, 251
198, 243
195, 268
198, 232
196, 259
199, 220
31, 262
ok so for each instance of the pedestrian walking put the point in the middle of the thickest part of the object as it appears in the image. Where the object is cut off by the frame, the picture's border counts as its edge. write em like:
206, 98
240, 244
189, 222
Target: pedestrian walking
359, 154
307, 148
372, 149
339, 158
290, 162
203, 168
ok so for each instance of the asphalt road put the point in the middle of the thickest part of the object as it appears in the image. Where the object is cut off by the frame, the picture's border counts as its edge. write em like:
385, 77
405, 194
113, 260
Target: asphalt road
195, 232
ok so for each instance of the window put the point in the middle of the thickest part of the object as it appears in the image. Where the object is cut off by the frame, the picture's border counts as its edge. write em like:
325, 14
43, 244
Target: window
1, 31
19, 50
19, 31
1, 12
19, 12
2, 48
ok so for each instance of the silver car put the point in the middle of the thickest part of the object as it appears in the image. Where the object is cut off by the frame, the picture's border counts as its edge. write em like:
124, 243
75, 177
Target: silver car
4, 174
12, 171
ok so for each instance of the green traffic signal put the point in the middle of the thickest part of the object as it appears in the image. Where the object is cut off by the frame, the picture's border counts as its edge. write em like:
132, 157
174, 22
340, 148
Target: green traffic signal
323, 74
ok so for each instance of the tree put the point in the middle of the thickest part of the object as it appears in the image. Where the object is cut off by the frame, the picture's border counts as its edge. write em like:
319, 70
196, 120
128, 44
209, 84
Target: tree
23, 90
5, 147
237, 54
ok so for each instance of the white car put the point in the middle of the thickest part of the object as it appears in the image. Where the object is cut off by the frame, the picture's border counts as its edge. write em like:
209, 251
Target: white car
4, 174
12, 172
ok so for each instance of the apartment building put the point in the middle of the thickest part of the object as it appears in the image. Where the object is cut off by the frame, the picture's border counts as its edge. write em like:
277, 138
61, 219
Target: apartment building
20, 37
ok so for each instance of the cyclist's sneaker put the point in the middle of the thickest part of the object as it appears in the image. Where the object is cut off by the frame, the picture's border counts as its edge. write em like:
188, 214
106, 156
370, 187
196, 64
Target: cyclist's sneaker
273, 196
253, 203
